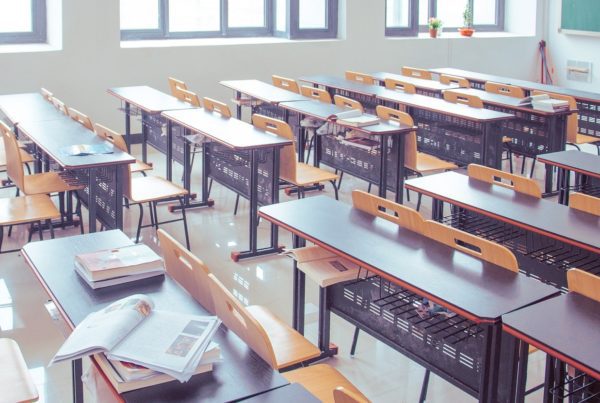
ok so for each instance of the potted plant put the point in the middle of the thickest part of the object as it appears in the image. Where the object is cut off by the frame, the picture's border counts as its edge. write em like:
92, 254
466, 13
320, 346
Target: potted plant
435, 24
467, 29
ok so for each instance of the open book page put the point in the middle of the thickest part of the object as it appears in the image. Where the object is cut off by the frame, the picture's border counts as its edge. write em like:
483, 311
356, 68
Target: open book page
528, 100
324, 267
350, 113
309, 254
102, 330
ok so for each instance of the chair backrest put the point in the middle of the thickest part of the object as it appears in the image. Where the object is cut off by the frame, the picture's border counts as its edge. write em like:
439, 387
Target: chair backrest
287, 155
119, 142
175, 84
60, 105
343, 395
14, 163
466, 99
46, 94
494, 176
572, 119
410, 141
188, 96
81, 118
399, 85
219, 107
472, 245
347, 103
504, 89
316, 93
583, 202
460, 81
359, 77
401, 215
189, 271
584, 283
286, 83
237, 319
417, 73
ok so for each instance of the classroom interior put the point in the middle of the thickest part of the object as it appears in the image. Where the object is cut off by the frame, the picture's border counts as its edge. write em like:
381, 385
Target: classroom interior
85, 55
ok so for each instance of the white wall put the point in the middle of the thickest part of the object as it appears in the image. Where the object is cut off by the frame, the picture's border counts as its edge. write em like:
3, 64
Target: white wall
92, 60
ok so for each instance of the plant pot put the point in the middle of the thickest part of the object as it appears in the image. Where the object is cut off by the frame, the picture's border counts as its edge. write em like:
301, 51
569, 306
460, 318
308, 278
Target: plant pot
433, 33
466, 31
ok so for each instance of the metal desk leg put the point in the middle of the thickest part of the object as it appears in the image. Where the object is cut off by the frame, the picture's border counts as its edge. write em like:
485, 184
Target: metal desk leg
92, 207
488, 377
437, 210
169, 150
144, 136
238, 106
521, 381
120, 172
128, 126
298, 290
383, 163
324, 320
76, 370
400, 169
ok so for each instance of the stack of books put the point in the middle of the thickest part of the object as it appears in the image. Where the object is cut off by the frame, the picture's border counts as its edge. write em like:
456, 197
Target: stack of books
355, 118
543, 102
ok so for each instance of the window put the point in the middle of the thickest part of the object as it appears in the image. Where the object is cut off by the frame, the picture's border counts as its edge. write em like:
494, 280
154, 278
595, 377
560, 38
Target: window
22, 21
164, 19
407, 17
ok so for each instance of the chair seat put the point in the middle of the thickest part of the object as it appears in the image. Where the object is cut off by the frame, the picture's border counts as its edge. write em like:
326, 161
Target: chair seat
309, 174
290, 347
24, 209
47, 182
16, 382
428, 163
585, 139
321, 380
140, 166
151, 188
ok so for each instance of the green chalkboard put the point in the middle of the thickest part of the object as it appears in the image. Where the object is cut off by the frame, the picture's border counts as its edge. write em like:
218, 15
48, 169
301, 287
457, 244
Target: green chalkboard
581, 15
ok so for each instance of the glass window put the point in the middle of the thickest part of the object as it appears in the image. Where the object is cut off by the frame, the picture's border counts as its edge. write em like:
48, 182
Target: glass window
423, 12
281, 15
194, 15
246, 13
484, 12
22, 21
140, 14
312, 14
451, 12
397, 13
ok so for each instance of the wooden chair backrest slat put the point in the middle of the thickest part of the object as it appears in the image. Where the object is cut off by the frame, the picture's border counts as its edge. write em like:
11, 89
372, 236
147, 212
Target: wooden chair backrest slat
505, 89
494, 176
401, 215
572, 119
287, 155
175, 84
410, 141
189, 271
285, 83
188, 96
460, 81
584, 283
216, 106
60, 105
583, 202
237, 319
359, 77
81, 118
399, 85
316, 93
14, 163
472, 245
466, 99
417, 73
46, 94
347, 103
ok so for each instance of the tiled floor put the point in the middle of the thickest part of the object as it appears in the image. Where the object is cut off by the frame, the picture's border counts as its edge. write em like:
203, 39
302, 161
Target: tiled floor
380, 372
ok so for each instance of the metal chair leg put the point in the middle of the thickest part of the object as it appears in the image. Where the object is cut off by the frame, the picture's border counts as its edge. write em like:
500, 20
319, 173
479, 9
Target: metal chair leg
237, 202
419, 201
155, 210
354, 340
424, 387
40, 230
335, 189
139, 228
340, 180
78, 212
185, 227
369, 188
532, 167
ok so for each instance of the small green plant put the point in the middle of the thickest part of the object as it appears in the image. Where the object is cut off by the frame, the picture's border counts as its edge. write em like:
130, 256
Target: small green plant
435, 23
468, 16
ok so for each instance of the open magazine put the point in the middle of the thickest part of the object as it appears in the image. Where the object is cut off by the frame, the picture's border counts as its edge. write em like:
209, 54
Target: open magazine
325, 267
131, 330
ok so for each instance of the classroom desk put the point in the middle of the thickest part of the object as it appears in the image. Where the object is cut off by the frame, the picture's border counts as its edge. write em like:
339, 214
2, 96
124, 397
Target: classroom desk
588, 103
547, 238
240, 157
430, 88
383, 167
566, 328
586, 167
292, 393
364, 93
148, 103
241, 374
31, 107
405, 267
102, 174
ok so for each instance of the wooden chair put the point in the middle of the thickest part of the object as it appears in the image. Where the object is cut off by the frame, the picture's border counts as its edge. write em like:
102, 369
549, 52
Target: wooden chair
81, 118
26, 158
460, 81
586, 203
417, 73
296, 173
584, 283
187, 96
359, 77
273, 340
347, 103
46, 94
286, 83
401, 86
418, 163
60, 105
185, 268
504, 89
175, 84
326, 384
311, 125
316, 93
216, 106
511, 181
574, 138
16, 383
119, 142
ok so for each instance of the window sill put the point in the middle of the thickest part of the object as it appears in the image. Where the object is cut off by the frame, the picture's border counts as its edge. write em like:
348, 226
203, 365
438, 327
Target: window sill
168, 43
457, 35
28, 48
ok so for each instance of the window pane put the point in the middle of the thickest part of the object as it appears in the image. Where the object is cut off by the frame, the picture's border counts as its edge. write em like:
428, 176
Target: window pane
139, 14
313, 14
423, 12
281, 16
15, 16
451, 12
397, 13
246, 13
194, 15
484, 12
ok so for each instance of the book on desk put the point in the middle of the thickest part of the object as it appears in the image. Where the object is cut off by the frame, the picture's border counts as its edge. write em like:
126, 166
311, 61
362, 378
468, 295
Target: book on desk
543, 102
354, 118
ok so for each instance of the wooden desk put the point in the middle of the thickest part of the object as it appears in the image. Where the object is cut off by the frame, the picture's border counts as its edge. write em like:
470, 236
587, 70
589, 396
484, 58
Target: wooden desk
547, 238
241, 158
588, 103
406, 267
430, 88
565, 328
586, 167
148, 103
31, 107
292, 393
364, 93
241, 374
383, 167
102, 174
